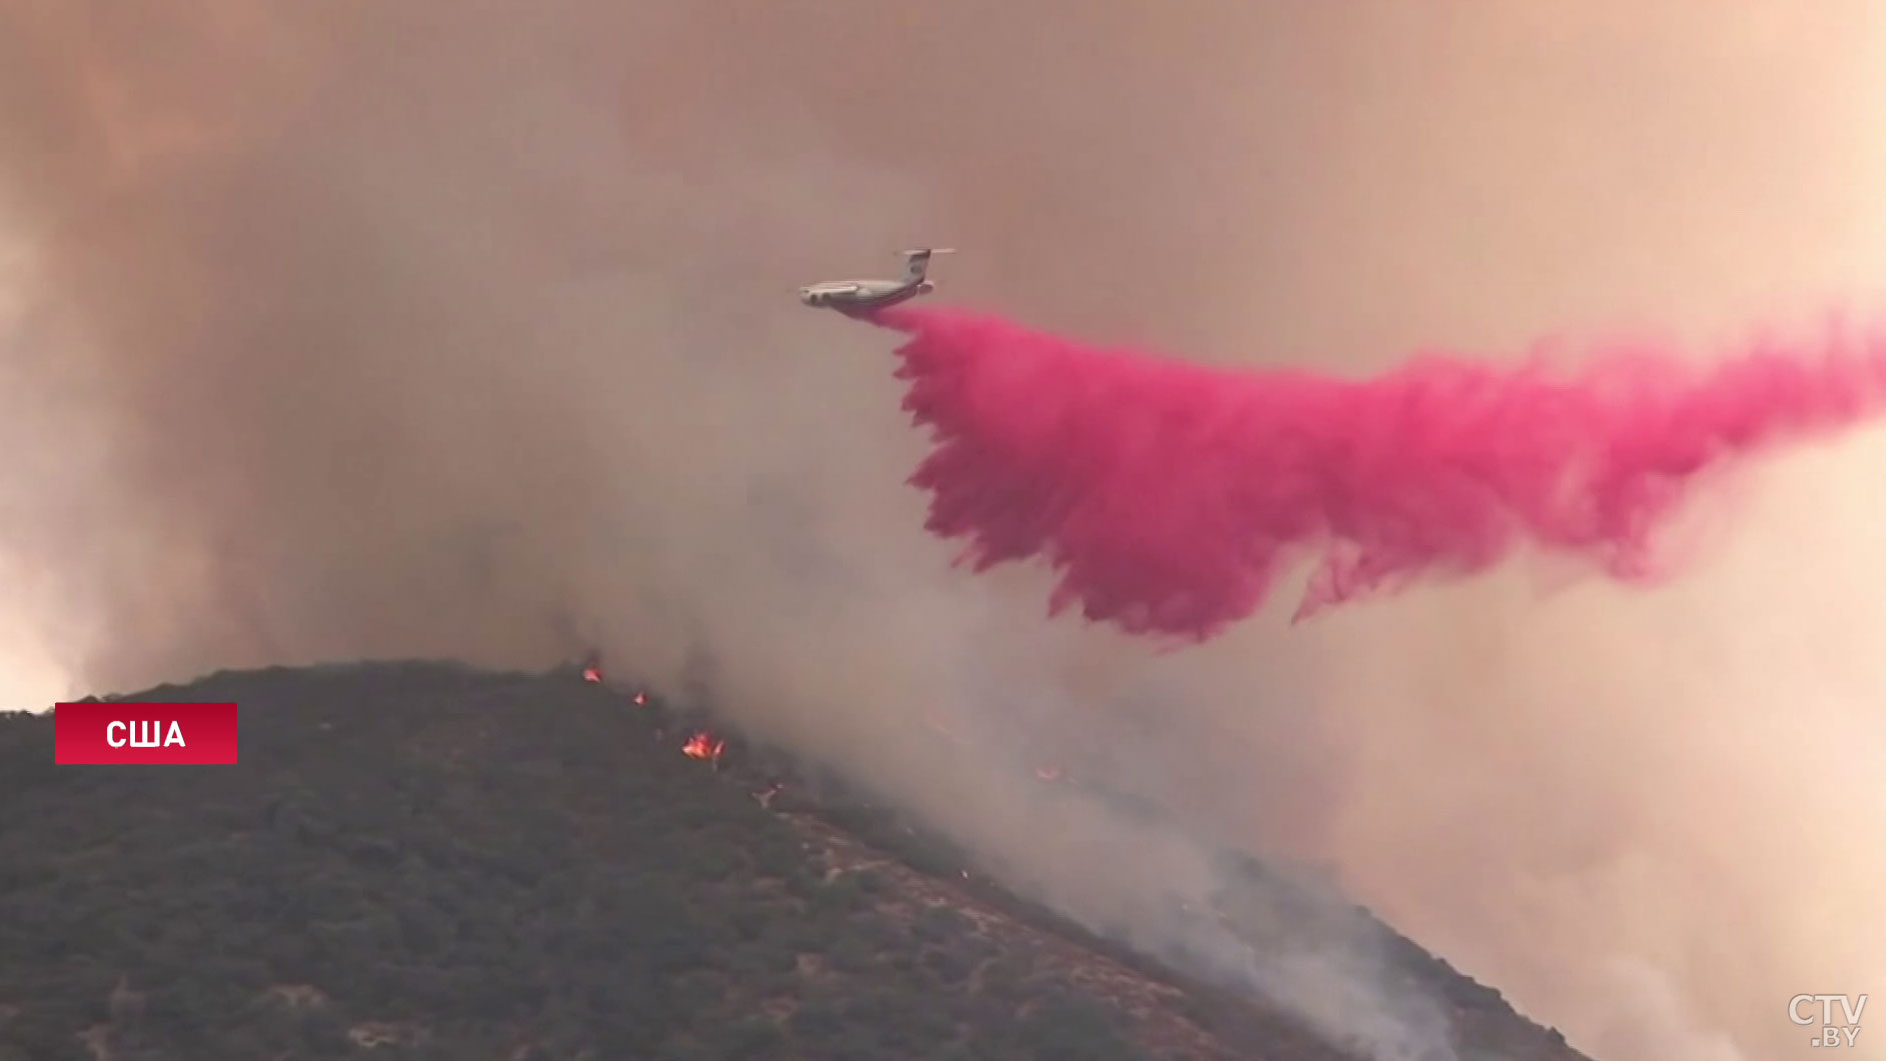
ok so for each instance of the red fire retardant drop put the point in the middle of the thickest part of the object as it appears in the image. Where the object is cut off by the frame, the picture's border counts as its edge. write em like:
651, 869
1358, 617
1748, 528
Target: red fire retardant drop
1166, 495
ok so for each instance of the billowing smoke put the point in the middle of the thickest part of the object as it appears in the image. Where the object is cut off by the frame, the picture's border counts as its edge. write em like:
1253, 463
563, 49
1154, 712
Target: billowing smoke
1166, 496
467, 328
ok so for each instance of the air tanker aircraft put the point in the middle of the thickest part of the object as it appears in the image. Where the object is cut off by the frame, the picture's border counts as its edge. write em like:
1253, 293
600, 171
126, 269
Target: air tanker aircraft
859, 296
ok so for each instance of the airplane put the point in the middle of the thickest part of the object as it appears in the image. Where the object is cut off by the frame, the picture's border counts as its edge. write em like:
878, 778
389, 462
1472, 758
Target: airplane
860, 296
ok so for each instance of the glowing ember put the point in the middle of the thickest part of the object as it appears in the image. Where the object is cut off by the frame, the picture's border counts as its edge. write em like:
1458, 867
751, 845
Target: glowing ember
641, 699
703, 746
592, 667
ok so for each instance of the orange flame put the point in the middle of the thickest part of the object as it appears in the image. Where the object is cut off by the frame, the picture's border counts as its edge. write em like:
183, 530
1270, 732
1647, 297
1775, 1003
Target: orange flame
703, 746
592, 674
641, 699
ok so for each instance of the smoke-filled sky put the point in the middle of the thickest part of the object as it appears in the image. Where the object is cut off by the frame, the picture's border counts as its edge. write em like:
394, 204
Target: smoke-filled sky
467, 328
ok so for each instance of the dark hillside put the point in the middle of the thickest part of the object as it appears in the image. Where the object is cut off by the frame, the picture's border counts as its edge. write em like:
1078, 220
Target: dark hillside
425, 861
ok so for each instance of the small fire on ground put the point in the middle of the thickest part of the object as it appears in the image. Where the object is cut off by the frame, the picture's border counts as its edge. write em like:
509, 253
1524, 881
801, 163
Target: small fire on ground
704, 745
592, 673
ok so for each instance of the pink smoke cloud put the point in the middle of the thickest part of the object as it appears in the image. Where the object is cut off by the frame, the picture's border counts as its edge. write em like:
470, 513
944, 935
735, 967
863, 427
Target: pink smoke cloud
1167, 495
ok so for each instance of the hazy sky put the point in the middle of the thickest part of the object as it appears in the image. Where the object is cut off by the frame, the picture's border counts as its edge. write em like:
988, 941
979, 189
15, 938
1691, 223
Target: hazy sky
467, 328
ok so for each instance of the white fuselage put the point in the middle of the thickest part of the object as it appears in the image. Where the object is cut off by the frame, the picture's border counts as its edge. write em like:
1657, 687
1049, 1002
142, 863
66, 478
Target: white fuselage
852, 296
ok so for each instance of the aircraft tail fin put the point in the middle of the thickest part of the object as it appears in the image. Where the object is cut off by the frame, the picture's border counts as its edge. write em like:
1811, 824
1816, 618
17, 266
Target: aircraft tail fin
917, 262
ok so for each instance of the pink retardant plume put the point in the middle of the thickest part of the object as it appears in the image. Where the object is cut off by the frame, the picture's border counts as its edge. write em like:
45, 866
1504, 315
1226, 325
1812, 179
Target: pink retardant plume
1167, 495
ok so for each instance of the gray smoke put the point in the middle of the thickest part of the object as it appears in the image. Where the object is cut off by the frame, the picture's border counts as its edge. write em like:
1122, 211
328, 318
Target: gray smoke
466, 329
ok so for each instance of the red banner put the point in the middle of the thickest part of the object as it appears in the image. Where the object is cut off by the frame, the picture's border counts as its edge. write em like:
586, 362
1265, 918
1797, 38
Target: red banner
120, 732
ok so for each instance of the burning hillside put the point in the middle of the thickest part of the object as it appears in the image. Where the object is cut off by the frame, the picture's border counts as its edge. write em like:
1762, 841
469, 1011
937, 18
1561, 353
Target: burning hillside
460, 864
